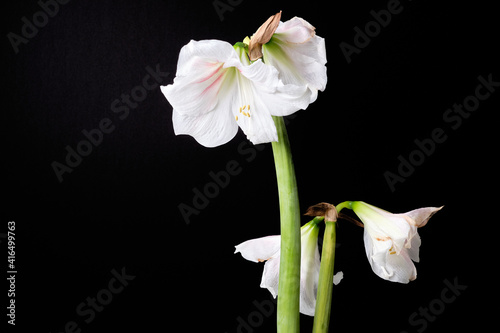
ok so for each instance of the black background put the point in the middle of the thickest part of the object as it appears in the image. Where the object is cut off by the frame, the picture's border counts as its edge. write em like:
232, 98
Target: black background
118, 209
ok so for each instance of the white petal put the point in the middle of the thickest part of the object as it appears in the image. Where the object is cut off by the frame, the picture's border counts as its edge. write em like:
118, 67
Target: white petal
260, 249
200, 77
309, 268
261, 95
288, 99
250, 109
337, 278
260, 74
201, 93
268, 249
299, 55
401, 267
386, 263
259, 126
382, 224
270, 276
392, 240
376, 248
205, 50
213, 91
264, 249
296, 30
414, 249
299, 31
210, 130
421, 216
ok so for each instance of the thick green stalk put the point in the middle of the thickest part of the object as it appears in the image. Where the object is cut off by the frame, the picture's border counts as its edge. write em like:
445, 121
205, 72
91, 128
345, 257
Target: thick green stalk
289, 275
325, 283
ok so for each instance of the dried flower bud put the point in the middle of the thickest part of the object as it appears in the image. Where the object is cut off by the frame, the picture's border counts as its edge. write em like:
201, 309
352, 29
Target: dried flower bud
262, 36
323, 209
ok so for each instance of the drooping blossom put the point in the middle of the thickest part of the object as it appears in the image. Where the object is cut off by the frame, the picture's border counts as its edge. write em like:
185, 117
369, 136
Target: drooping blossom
391, 240
267, 249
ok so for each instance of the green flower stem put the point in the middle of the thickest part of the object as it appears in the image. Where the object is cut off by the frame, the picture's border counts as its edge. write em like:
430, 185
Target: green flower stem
345, 204
289, 274
325, 283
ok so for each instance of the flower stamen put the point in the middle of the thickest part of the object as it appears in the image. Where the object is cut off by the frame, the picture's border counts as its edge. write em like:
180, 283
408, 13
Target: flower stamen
246, 114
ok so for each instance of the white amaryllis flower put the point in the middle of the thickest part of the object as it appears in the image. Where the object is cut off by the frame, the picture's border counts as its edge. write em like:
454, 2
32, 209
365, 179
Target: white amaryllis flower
267, 249
392, 240
217, 89
299, 55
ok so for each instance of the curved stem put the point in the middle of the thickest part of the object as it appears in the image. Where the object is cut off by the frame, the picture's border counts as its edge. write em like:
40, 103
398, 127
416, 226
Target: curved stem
325, 283
342, 205
289, 274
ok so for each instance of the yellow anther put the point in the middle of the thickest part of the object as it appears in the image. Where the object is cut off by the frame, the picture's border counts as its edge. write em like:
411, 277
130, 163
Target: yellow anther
244, 107
236, 118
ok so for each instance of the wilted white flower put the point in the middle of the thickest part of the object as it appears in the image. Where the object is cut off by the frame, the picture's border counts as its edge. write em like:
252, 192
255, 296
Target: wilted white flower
267, 249
392, 240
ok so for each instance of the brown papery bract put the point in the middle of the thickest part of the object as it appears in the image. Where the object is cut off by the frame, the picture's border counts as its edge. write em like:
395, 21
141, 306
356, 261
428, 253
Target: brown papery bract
262, 36
323, 209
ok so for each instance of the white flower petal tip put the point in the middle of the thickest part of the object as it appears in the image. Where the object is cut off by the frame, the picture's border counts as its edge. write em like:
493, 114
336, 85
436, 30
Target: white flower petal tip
391, 240
337, 278
422, 215
259, 249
